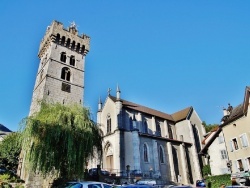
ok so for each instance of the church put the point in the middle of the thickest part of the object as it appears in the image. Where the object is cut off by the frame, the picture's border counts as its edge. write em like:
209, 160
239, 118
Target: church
148, 143
137, 140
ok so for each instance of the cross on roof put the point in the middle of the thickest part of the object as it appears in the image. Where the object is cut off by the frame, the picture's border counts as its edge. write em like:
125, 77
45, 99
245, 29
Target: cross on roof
109, 90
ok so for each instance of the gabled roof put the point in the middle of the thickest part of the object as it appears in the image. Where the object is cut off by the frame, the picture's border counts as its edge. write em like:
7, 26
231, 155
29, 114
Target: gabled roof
4, 129
210, 141
208, 135
178, 116
239, 110
182, 114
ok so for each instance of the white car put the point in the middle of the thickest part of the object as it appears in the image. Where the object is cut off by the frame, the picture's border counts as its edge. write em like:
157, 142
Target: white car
88, 184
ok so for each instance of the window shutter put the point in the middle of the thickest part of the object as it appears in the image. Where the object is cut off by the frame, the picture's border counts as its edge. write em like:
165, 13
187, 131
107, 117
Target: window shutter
245, 141
247, 163
231, 145
236, 165
244, 164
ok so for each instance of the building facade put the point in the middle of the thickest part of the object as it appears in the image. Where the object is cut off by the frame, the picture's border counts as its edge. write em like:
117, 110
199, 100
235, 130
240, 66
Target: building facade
150, 143
236, 130
215, 152
60, 76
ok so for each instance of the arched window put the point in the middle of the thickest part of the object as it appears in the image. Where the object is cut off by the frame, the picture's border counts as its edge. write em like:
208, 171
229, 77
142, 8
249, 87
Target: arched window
63, 57
77, 47
130, 123
158, 128
73, 45
161, 154
170, 132
145, 127
65, 74
72, 60
68, 43
57, 38
63, 41
145, 153
82, 49
108, 124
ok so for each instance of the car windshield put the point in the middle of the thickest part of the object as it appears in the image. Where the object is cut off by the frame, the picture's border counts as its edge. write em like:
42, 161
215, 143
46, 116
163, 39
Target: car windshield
94, 186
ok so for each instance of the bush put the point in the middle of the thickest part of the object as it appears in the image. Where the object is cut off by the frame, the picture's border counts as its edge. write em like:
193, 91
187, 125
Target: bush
216, 181
206, 170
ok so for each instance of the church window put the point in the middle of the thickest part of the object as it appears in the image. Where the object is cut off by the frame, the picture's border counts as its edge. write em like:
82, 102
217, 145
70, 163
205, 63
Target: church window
57, 38
170, 133
161, 154
83, 49
72, 60
63, 57
77, 47
68, 43
131, 123
108, 124
73, 45
145, 127
145, 153
63, 41
158, 128
65, 87
65, 74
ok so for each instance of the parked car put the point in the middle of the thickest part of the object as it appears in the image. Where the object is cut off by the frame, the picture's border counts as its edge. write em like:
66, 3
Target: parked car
200, 183
136, 186
93, 172
88, 184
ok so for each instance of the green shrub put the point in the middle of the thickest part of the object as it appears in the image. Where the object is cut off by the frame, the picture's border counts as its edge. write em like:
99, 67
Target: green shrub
5, 177
206, 170
216, 181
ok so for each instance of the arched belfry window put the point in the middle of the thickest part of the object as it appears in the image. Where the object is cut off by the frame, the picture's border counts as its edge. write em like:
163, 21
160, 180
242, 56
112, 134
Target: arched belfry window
65, 74
145, 153
161, 154
72, 60
63, 41
73, 45
145, 127
108, 124
68, 43
77, 47
63, 57
82, 49
57, 38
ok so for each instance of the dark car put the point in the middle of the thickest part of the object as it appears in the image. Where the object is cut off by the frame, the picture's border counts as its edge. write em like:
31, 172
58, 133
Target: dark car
200, 183
93, 172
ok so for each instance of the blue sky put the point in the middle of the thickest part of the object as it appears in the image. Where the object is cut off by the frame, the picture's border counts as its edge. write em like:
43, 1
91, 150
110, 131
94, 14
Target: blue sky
164, 54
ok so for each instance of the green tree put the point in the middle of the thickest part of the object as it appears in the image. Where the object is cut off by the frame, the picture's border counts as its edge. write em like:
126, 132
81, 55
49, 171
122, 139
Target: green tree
60, 139
209, 127
10, 149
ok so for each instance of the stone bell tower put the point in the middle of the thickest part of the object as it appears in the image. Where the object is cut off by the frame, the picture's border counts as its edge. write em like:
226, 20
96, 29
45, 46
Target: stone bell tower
60, 76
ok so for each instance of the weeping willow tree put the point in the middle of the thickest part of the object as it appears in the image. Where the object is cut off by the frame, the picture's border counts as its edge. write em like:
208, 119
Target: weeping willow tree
60, 139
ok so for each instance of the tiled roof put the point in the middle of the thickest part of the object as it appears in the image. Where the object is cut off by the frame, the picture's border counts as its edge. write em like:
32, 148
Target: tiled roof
4, 129
210, 141
213, 130
182, 114
239, 110
178, 116
236, 112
